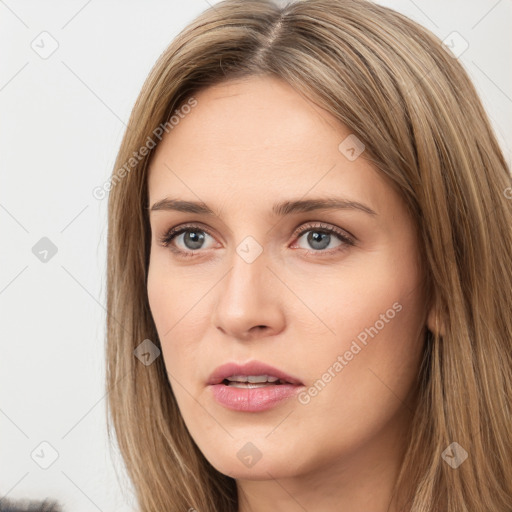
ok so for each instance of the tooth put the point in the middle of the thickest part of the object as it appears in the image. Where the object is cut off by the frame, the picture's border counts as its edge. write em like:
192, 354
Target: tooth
257, 378
249, 385
254, 379
238, 378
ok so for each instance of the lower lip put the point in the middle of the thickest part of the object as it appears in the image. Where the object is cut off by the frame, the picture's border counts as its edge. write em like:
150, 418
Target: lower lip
252, 399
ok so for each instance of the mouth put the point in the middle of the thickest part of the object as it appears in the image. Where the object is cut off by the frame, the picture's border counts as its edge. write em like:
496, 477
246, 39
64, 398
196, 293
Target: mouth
253, 372
251, 387
253, 381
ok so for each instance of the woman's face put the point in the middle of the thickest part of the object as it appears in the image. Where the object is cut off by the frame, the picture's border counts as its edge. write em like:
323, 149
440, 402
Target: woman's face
259, 278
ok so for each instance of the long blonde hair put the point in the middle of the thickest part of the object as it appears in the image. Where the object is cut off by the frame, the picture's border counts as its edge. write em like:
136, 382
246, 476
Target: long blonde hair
413, 106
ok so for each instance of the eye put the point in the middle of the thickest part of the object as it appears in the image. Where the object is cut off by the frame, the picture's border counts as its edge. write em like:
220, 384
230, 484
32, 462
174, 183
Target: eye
193, 239
321, 236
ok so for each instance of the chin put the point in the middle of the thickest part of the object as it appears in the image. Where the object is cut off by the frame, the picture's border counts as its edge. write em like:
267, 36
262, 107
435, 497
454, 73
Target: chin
262, 470
242, 460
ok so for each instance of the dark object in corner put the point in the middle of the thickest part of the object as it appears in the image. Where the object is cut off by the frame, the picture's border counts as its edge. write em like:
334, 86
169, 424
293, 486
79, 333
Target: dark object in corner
8, 505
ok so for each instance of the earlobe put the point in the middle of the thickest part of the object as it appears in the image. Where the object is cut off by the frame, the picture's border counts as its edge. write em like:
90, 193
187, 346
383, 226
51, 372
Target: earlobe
435, 323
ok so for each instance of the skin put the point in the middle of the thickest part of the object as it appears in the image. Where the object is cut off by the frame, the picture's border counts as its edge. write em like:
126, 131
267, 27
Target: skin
247, 144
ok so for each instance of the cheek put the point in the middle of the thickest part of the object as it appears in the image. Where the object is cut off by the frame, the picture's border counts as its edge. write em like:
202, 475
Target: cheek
170, 294
372, 312
175, 306
354, 299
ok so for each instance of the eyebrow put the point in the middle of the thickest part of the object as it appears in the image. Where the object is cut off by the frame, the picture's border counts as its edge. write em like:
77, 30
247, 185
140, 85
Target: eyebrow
281, 209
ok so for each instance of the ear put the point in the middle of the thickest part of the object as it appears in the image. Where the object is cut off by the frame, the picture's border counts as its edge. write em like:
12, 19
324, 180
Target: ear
435, 323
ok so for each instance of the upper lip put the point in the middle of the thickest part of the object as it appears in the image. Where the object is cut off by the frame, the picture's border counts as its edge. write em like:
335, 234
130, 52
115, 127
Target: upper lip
251, 368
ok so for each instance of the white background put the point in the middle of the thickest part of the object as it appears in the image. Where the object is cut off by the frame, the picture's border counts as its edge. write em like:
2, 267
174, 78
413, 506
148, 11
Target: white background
61, 123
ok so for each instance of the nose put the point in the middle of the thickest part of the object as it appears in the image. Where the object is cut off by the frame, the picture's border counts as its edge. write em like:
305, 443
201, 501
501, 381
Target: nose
249, 300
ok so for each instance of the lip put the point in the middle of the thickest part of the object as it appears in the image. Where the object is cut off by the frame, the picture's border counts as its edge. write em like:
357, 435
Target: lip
251, 399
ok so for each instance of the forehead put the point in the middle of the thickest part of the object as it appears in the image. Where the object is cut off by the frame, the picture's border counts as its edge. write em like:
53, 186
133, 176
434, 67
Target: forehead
258, 139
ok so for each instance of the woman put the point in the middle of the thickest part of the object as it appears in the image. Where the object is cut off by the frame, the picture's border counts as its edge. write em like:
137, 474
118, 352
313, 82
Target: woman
309, 279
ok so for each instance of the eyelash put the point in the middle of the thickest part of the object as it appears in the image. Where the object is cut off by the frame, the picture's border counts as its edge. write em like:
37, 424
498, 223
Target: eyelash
172, 233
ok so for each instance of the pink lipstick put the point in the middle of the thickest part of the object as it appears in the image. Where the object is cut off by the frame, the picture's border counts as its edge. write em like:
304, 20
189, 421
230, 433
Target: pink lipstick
251, 387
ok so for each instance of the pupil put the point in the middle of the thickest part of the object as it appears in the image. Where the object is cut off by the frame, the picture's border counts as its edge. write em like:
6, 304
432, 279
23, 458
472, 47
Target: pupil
194, 240
316, 237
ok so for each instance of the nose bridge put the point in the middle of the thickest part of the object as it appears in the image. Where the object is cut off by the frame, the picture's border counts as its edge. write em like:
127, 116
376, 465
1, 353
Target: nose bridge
245, 299
248, 257
248, 264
